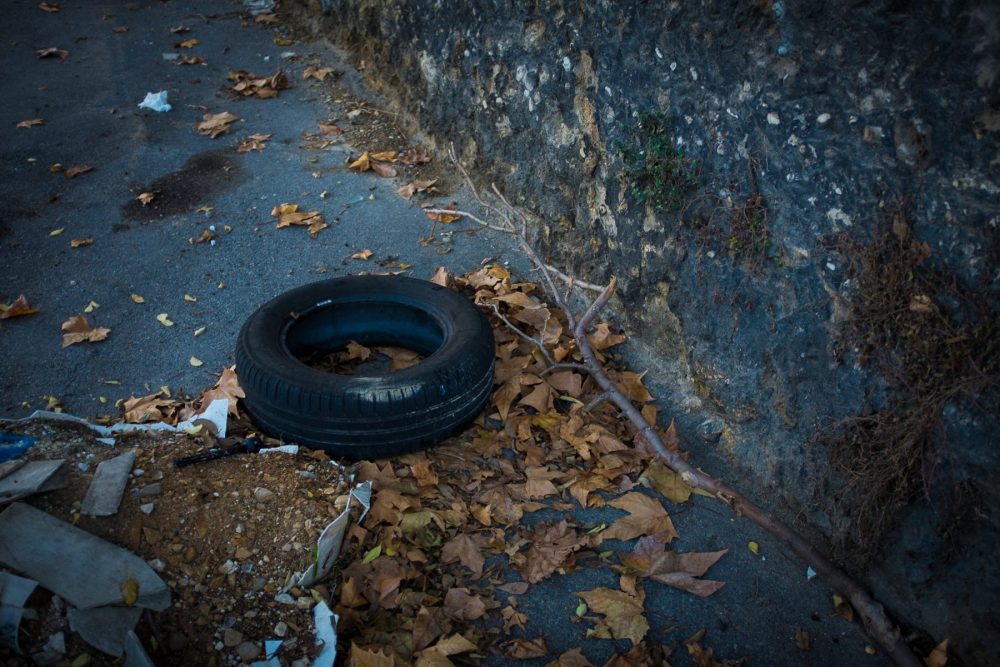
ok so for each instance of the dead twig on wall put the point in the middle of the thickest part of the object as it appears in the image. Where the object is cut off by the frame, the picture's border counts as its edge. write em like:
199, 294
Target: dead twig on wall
510, 220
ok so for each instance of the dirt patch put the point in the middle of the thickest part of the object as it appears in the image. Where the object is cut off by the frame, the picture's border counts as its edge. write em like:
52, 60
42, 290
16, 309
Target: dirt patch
201, 177
224, 536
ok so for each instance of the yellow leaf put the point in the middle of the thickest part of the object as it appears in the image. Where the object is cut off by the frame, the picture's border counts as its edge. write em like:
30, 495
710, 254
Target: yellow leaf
754, 547
57, 232
362, 163
130, 591
146, 197
362, 254
163, 319
199, 331
137, 299
187, 44
192, 299
384, 156
91, 306
195, 361
31, 122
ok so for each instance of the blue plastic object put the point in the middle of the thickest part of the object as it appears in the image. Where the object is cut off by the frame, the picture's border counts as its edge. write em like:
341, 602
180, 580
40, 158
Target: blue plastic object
13, 445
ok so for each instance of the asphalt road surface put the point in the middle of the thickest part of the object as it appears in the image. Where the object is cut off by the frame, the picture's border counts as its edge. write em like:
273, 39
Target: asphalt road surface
88, 105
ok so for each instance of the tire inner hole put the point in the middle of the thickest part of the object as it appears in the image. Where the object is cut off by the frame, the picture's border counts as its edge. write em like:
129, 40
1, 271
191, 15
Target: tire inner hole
369, 338
358, 359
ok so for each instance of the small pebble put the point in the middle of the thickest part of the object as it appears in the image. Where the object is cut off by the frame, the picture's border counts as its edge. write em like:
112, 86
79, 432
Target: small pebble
138, 472
248, 651
147, 508
281, 628
242, 553
284, 598
823, 118
262, 495
232, 638
151, 490
157, 564
773, 119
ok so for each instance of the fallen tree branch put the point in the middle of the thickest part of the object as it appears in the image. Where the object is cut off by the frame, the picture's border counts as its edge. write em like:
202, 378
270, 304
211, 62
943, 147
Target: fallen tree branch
876, 622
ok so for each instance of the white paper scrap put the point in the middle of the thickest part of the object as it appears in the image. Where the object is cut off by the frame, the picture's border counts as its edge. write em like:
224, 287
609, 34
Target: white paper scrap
326, 634
328, 545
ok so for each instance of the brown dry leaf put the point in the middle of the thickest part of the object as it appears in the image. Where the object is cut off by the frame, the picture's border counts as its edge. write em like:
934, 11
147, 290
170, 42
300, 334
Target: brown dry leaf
623, 612
382, 169
525, 649
187, 43
939, 656
120, 29
329, 128
572, 658
631, 385
802, 640
461, 605
78, 330
671, 485
31, 122
146, 197
186, 59
314, 72
921, 303
50, 7
228, 387
384, 156
413, 187
79, 243
267, 19
400, 358
652, 559
551, 547
423, 474
443, 217
360, 657
265, 87
842, 607
362, 254
73, 172
52, 52
414, 156
152, 408
214, 124
205, 236
137, 298
602, 338
440, 277
464, 549
289, 214
646, 516
19, 308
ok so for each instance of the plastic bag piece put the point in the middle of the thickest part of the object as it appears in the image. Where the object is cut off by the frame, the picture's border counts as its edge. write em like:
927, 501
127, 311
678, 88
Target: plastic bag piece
156, 102
13, 445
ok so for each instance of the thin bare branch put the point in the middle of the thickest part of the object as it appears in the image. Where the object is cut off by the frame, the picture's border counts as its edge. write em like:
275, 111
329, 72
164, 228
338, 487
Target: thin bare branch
520, 332
560, 366
876, 622
573, 282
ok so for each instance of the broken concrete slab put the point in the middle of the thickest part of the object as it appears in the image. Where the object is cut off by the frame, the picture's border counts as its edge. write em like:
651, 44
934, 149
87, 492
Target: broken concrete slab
105, 628
106, 488
14, 590
32, 477
81, 568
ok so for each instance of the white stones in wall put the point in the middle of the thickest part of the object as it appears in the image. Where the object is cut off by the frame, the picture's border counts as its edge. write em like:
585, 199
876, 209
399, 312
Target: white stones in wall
773, 118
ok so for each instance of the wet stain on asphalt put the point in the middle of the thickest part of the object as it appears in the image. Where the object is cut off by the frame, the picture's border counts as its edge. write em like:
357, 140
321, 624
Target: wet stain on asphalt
193, 185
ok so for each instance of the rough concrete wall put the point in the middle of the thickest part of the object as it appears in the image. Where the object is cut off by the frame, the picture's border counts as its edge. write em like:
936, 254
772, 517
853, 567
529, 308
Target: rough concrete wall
832, 113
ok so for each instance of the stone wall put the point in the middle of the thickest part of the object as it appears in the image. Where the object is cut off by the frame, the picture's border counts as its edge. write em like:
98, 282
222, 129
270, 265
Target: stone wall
812, 132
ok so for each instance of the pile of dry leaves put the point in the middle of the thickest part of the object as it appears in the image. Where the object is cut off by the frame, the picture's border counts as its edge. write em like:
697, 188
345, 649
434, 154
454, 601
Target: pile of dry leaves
434, 573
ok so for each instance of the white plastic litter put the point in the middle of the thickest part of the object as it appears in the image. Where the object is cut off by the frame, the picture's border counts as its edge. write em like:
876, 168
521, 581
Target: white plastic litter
810, 573
325, 622
156, 102
216, 414
284, 449
328, 545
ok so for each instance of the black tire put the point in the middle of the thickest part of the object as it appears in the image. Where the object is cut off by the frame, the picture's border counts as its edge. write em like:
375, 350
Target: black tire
366, 416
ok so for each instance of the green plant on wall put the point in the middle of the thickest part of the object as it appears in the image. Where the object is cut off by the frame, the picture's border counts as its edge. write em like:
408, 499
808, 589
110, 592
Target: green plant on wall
656, 171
